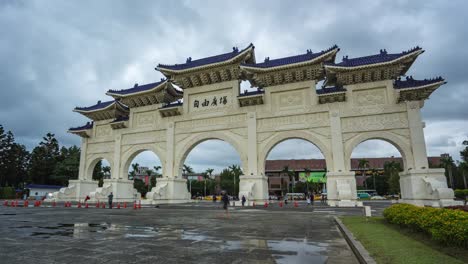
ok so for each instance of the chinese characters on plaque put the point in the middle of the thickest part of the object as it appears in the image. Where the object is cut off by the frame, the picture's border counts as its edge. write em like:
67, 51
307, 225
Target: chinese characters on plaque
214, 102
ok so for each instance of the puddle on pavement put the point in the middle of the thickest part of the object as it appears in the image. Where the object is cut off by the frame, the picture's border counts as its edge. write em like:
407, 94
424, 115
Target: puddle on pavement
284, 251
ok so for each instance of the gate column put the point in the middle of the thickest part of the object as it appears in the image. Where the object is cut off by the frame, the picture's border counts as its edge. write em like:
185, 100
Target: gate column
341, 184
253, 185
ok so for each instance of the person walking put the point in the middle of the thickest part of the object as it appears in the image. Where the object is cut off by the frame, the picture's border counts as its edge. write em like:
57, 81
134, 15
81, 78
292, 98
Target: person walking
312, 197
225, 200
110, 196
243, 200
308, 200
214, 198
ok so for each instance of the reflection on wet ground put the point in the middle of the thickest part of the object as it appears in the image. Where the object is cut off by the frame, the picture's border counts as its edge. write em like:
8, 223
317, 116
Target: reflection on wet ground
285, 251
169, 236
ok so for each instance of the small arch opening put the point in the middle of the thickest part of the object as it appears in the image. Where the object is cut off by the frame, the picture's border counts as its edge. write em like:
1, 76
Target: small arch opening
101, 171
377, 164
144, 168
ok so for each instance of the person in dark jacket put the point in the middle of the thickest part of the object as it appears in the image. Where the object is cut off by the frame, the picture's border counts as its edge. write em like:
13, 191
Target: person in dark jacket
110, 196
243, 200
225, 200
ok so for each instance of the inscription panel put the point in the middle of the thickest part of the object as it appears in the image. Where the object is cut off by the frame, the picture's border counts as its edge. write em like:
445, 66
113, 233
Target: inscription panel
210, 101
370, 97
374, 122
208, 124
294, 122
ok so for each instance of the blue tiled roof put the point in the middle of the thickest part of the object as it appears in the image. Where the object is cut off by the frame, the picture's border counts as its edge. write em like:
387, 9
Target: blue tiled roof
178, 103
137, 88
42, 186
88, 125
328, 90
247, 93
383, 56
290, 60
410, 82
205, 61
98, 106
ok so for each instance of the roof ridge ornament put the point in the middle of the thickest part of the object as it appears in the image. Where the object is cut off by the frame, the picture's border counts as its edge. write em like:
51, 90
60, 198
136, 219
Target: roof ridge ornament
267, 59
345, 58
135, 86
309, 51
189, 59
383, 52
235, 49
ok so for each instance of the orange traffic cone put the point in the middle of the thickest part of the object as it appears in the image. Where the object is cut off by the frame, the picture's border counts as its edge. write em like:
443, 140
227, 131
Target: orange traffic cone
265, 204
86, 205
134, 206
54, 204
118, 205
253, 204
139, 204
98, 204
103, 205
280, 204
5, 203
296, 204
79, 205
125, 204
26, 203
12, 204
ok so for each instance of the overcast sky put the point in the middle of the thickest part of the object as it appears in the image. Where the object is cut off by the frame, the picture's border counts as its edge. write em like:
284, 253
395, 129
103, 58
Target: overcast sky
60, 54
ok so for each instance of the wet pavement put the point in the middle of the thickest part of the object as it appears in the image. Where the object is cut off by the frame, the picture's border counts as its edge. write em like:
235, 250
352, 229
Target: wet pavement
195, 233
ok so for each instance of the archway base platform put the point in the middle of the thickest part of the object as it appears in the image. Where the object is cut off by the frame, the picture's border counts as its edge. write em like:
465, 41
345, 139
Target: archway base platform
169, 191
426, 188
77, 190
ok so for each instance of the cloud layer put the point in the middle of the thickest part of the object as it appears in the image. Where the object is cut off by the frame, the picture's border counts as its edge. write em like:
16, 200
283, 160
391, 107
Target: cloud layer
60, 54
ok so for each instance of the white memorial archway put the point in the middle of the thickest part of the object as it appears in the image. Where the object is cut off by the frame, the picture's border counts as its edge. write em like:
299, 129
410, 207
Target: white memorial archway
362, 98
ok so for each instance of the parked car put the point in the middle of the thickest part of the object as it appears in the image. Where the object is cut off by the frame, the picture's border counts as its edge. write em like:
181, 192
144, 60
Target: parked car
377, 197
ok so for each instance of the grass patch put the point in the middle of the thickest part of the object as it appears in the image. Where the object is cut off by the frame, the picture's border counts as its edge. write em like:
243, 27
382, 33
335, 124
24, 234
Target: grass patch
390, 244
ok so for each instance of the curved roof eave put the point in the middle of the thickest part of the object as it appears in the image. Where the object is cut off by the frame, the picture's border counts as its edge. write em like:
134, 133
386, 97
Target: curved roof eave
206, 66
265, 69
335, 67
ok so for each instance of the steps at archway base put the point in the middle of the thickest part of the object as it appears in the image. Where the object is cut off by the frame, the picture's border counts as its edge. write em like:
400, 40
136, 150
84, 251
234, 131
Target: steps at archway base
426, 187
77, 190
122, 191
341, 189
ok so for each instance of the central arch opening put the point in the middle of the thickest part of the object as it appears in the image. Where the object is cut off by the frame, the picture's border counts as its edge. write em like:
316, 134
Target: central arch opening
211, 166
296, 169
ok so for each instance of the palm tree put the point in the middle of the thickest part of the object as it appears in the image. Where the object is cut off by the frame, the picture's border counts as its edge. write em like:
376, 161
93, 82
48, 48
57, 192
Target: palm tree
156, 169
447, 163
393, 169
187, 169
363, 165
307, 173
236, 171
106, 171
208, 173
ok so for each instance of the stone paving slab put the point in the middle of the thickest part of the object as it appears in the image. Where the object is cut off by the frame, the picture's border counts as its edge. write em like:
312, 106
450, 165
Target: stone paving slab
170, 235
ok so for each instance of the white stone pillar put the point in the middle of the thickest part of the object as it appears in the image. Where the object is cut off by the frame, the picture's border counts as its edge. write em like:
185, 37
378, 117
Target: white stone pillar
418, 144
254, 185
341, 184
169, 170
171, 188
82, 169
116, 169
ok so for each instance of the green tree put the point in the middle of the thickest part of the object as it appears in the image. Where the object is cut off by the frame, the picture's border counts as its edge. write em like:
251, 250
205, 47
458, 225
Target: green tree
392, 169
464, 152
463, 166
188, 169
67, 166
43, 160
448, 164
363, 165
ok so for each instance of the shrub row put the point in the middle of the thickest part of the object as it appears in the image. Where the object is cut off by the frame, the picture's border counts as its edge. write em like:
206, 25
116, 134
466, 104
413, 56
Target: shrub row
461, 194
7, 193
446, 226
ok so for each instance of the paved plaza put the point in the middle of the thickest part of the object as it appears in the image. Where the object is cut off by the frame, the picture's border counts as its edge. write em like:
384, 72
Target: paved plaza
187, 233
